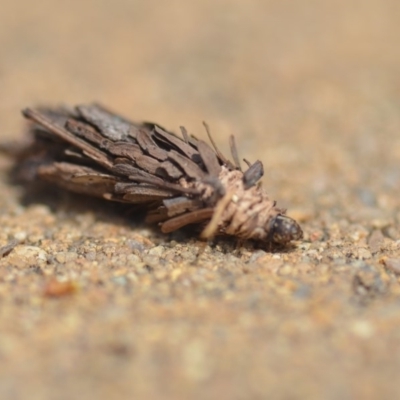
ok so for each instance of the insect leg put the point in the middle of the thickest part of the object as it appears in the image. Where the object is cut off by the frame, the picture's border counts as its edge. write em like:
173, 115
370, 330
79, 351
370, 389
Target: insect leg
212, 226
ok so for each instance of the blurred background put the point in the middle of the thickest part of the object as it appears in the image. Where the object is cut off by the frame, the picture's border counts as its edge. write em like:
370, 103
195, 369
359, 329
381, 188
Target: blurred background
311, 88
290, 74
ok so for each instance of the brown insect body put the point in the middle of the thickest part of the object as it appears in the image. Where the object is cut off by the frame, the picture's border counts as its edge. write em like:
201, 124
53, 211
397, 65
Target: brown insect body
93, 151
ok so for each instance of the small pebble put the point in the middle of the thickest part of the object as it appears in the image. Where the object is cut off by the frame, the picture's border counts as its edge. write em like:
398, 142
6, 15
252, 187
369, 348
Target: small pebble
364, 254
135, 245
65, 256
285, 270
375, 241
20, 236
5, 250
29, 254
392, 264
55, 288
363, 329
157, 251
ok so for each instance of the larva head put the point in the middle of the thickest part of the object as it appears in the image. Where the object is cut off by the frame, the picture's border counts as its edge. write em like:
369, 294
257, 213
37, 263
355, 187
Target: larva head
284, 229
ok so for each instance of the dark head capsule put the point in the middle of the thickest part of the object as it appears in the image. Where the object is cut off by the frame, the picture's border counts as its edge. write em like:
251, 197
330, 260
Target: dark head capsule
285, 229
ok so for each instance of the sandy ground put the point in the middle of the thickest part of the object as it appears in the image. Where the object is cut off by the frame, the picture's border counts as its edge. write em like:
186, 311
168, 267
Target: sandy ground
93, 304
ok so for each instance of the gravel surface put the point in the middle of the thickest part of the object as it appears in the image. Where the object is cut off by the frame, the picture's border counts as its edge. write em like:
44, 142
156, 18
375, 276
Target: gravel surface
95, 304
